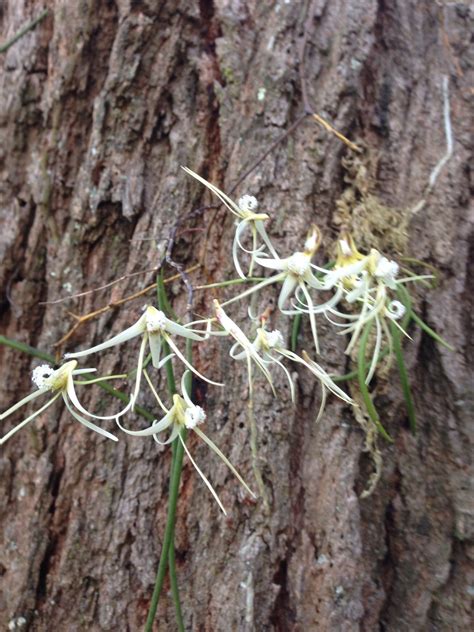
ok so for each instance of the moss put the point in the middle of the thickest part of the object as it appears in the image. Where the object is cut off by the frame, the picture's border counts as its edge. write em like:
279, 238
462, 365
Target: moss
228, 75
372, 223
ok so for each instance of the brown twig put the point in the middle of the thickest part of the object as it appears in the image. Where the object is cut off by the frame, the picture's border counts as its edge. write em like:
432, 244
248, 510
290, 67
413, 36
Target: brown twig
80, 320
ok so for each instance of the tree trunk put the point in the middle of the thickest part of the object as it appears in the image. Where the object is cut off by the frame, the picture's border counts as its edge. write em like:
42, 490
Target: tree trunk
101, 103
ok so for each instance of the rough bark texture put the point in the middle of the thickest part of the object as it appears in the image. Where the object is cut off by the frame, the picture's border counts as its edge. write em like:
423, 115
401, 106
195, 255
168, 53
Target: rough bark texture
100, 105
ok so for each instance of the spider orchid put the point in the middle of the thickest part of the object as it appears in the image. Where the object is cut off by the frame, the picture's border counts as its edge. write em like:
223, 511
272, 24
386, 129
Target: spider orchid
296, 275
246, 213
60, 382
249, 350
184, 414
366, 281
154, 327
269, 343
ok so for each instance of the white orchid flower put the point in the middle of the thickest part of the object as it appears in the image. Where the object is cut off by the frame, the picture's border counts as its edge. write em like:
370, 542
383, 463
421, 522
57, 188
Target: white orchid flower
366, 282
184, 414
296, 275
154, 327
60, 382
245, 210
248, 349
269, 343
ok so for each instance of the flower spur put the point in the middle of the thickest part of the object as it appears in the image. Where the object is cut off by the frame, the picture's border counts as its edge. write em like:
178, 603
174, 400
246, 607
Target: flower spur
154, 327
245, 211
184, 414
61, 383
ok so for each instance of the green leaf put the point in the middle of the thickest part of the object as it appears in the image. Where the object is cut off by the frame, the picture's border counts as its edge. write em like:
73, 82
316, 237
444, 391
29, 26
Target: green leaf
362, 374
397, 348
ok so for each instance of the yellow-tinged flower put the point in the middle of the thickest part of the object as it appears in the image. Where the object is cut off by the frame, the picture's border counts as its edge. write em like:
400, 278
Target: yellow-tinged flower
154, 327
366, 282
245, 210
60, 382
184, 414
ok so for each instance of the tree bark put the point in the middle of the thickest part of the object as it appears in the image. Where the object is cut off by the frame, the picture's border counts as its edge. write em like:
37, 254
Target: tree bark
100, 105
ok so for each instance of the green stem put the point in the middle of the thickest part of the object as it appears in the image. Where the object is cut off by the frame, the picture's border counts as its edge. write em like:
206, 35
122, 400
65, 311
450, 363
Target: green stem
362, 374
295, 330
230, 282
169, 531
168, 558
28, 27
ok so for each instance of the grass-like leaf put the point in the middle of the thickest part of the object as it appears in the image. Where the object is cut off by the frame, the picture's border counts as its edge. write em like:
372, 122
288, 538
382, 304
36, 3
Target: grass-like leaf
362, 374
397, 348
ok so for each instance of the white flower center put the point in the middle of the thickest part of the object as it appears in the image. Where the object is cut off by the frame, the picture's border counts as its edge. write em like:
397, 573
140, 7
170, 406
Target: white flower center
248, 203
193, 416
386, 269
40, 374
155, 321
298, 263
274, 339
396, 310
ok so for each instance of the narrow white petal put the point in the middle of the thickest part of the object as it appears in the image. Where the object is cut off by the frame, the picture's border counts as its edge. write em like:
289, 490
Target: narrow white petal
83, 371
231, 205
376, 353
141, 358
209, 486
235, 245
154, 340
174, 433
287, 373
259, 225
287, 289
272, 264
24, 401
312, 317
323, 403
155, 393
86, 423
132, 332
187, 364
182, 330
157, 426
28, 419
213, 447
273, 279
184, 391
77, 404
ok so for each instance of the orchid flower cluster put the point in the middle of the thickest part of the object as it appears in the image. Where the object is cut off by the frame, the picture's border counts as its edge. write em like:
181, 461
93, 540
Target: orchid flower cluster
358, 294
353, 293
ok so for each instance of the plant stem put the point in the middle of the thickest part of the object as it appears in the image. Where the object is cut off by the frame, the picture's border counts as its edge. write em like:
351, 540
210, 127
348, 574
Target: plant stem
169, 531
362, 374
28, 27
230, 282
295, 331
167, 558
